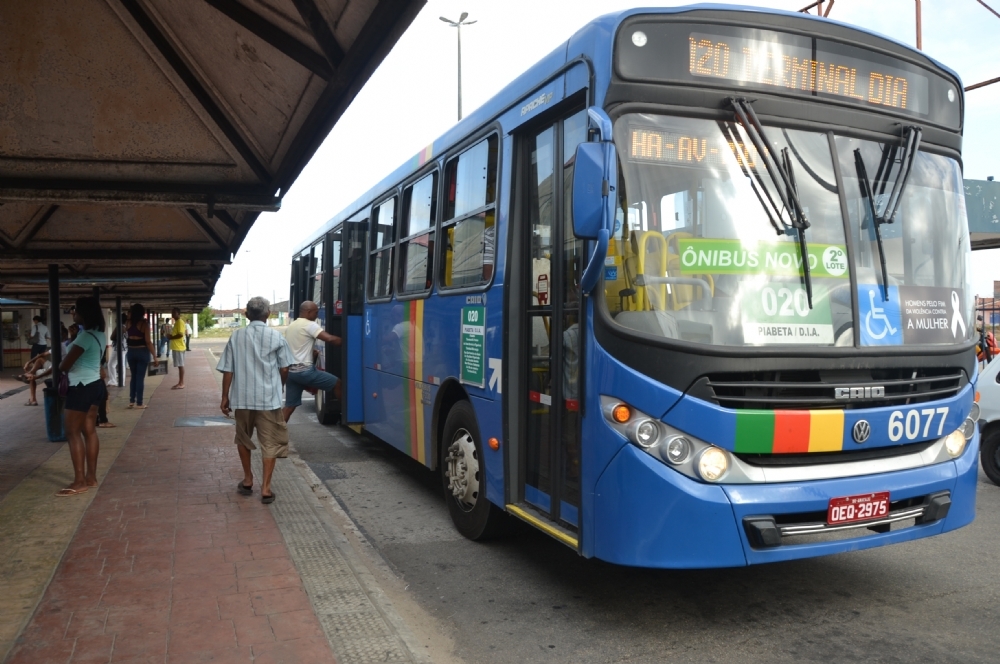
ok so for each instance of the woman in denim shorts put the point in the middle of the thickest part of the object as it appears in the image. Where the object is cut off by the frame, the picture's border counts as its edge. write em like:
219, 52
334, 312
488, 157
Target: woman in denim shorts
86, 392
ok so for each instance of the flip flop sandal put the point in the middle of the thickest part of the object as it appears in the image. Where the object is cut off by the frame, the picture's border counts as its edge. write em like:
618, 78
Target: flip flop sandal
106, 425
65, 493
244, 490
31, 403
267, 500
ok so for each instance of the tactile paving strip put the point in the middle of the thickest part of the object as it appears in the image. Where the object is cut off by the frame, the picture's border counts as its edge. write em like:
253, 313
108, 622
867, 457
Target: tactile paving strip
357, 630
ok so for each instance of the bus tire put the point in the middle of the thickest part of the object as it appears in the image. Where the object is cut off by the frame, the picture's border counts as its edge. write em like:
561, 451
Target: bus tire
989, 455
463, 475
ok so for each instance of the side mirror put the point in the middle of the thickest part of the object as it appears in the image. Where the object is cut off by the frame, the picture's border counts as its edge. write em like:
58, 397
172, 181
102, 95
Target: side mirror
595, 181
589, 190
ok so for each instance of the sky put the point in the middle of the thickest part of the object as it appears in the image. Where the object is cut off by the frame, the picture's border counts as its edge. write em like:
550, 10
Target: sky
411, 100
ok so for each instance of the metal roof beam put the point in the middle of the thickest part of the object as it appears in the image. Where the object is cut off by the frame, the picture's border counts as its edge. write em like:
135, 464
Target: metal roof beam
176, 62
124, 193
37, 226
97, 254
388, 21
207, 227
274, 36
320, 29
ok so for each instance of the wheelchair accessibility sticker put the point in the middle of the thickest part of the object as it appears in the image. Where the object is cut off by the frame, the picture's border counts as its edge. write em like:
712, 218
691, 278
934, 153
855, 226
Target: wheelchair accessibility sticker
912, 315
880, 320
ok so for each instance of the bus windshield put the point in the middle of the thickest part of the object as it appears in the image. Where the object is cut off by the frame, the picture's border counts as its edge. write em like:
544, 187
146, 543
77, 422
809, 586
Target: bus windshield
703, 251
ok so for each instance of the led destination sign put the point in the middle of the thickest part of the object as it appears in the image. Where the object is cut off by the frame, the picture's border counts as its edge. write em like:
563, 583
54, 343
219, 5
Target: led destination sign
655, 145
738, 59
773, 63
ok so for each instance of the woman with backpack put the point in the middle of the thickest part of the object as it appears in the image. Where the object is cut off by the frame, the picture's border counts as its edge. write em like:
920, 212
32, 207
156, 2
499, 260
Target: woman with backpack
86, 390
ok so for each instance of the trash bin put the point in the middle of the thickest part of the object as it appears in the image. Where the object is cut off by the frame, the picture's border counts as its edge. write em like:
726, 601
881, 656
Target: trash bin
55, 416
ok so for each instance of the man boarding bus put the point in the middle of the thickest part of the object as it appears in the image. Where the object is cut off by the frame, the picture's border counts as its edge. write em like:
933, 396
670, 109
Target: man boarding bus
301, 336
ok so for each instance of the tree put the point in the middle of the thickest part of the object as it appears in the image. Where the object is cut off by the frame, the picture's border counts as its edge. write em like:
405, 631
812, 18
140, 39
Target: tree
205, 319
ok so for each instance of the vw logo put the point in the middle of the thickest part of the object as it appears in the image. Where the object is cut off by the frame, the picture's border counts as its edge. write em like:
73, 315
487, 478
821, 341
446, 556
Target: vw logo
861, 431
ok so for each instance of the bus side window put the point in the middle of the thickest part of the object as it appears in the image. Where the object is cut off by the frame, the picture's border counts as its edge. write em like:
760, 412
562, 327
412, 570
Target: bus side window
416, 249
383, 238
469, 222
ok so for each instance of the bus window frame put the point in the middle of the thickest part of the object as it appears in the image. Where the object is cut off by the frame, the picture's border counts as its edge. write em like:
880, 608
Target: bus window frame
432, 169
334, 235
317, 253
393, 195
456, 151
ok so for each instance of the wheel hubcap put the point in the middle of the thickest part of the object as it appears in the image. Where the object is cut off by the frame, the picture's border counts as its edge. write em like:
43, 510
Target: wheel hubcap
463, 470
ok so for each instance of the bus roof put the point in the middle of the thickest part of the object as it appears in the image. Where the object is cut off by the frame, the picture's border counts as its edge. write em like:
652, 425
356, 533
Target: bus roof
602, 28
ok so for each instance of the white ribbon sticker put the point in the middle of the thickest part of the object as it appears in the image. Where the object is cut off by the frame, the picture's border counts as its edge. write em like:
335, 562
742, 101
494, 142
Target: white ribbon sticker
956, 316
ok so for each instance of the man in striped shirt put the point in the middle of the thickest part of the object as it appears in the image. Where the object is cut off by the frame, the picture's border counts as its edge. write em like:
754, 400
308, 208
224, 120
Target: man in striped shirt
254, 367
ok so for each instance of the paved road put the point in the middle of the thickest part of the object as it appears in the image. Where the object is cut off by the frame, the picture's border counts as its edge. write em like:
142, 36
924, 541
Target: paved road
529, 598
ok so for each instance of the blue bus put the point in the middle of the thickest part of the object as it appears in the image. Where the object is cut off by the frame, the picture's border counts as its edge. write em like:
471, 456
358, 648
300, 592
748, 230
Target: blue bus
693, 291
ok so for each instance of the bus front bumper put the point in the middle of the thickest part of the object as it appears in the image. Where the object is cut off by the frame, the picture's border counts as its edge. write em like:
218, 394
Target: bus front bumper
648, 515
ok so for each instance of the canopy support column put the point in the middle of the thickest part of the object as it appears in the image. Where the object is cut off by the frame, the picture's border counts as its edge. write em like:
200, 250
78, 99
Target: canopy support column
55, 327
118, 341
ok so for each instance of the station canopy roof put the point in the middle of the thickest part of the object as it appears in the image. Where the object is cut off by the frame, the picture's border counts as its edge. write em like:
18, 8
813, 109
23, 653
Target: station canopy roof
141, 139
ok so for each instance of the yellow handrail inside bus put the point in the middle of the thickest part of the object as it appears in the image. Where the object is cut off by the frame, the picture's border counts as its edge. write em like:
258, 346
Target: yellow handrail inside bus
658, 254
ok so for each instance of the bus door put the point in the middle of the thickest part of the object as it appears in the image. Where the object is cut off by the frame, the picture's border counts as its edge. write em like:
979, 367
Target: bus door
328, 407
349, 301
550, 402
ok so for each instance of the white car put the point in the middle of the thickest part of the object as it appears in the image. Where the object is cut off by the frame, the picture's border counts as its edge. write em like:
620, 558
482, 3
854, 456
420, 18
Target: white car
989, 419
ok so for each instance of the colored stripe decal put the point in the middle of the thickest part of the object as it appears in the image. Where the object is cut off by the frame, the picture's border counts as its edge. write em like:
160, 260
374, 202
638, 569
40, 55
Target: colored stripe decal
754, 431
826, 434
418, 371
789, 431
414, 344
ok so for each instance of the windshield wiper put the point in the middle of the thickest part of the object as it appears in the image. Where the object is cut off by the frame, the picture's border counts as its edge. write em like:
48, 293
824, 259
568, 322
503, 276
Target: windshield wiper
783, 177
908, 152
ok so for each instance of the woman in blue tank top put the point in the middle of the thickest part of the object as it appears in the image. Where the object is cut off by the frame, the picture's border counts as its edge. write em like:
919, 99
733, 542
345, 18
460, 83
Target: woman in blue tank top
86, 391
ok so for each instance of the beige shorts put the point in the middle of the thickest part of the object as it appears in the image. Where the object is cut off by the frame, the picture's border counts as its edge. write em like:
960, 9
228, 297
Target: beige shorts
272, 432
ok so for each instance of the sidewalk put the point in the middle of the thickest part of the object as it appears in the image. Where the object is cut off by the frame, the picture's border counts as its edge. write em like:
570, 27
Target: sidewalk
168, 563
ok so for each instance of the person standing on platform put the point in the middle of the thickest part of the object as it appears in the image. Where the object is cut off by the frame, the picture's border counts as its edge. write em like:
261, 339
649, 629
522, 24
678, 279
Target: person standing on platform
114, 341
38, 337
254, 367
140, 350
301, 336
86, 392
164, 331
178, 347
187, 336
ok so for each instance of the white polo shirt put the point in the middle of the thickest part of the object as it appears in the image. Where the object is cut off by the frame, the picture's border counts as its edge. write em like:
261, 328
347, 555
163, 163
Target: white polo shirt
301, 335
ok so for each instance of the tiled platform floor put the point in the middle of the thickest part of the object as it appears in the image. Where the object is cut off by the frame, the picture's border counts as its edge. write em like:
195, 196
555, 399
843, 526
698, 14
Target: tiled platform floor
169, 563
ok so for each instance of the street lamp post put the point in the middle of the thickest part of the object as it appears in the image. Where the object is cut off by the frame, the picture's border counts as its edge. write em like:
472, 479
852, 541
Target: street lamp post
458, 24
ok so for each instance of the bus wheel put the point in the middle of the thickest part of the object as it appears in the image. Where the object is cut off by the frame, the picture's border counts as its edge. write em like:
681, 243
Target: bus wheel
464, 475
989, 455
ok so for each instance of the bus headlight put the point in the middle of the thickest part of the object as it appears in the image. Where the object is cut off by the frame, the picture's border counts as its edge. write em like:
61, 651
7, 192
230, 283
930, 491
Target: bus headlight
968, 428
677, 449
646, 433
975, 412
954, 442
713, 464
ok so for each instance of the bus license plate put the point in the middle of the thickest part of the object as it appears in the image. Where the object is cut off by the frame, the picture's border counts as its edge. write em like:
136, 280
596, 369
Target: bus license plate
857, 508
